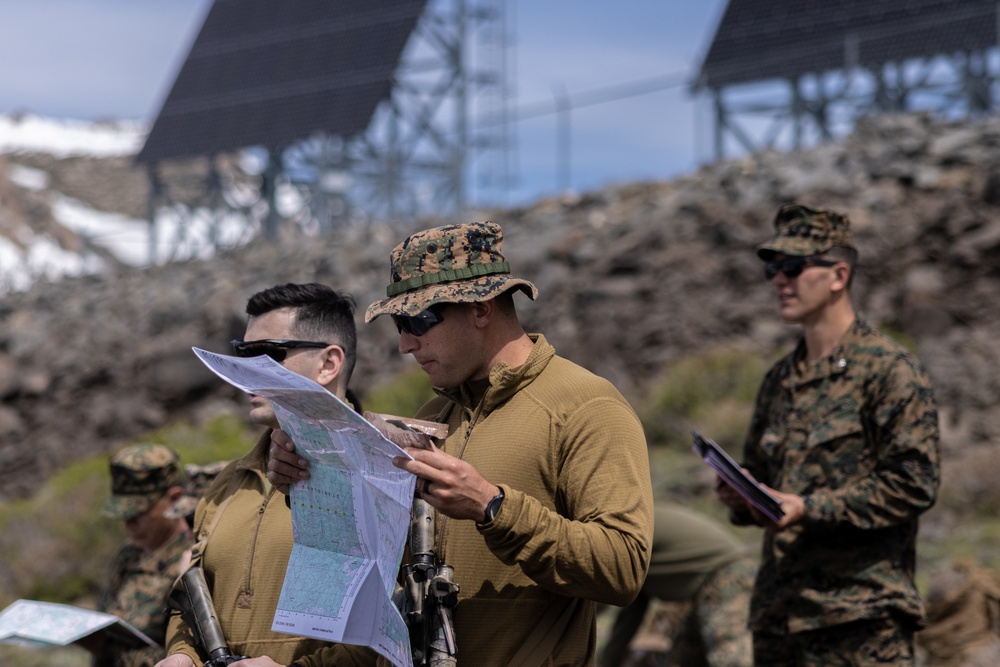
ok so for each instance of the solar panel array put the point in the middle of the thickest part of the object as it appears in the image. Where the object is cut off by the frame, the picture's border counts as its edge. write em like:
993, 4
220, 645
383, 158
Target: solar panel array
767, 39
269, 73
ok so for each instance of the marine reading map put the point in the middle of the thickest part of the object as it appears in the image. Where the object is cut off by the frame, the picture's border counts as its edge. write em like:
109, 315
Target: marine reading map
349, 520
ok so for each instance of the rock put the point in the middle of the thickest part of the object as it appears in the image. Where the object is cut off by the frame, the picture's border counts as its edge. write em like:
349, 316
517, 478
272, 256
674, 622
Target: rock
630, 279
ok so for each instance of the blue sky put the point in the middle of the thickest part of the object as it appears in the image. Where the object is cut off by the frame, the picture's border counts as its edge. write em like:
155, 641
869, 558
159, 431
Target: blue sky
99, 59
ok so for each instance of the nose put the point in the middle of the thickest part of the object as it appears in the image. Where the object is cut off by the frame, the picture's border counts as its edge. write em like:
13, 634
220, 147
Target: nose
408, 342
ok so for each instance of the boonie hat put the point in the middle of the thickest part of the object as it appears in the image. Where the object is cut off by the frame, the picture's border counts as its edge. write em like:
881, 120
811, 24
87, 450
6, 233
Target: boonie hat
451, 264
140, 475
802, 231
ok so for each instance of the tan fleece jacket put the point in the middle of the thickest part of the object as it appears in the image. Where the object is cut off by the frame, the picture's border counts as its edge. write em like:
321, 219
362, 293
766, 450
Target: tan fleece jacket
244, 559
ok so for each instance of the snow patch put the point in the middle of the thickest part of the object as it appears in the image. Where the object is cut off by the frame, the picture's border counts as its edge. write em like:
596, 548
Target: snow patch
29, 177
70, 138
126, 238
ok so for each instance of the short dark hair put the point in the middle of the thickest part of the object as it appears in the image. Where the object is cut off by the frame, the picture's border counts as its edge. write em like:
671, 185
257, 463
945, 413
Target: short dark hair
321, 313
843, 253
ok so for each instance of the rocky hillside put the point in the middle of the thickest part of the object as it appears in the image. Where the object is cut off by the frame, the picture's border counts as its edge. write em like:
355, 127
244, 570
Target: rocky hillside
631, 278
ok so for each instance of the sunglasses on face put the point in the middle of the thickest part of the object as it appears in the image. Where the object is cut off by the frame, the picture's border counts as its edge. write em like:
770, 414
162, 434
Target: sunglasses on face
792, 267
418, 325
277, 349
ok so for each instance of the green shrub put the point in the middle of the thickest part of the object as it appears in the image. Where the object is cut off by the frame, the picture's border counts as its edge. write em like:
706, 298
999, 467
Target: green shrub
712, 393
57, 546
49, 544
222, 439
403, 395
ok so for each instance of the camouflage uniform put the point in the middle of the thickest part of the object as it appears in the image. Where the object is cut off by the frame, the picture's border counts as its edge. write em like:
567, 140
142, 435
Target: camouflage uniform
879, 641
139, 582
855, 435
697, 560
199, 479
137, 591
714, 633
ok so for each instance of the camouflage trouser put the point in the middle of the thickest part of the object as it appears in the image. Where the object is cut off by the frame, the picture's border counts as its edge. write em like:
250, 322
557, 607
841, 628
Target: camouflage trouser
714, 633
880, 641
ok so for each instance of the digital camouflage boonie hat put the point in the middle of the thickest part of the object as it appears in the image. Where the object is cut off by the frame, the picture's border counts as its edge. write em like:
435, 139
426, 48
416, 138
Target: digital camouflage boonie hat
802, 231
451, 264
140, 475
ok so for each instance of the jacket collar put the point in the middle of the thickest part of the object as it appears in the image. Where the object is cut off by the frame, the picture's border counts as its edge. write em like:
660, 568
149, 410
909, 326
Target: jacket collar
797, 371
505, 380
256, 459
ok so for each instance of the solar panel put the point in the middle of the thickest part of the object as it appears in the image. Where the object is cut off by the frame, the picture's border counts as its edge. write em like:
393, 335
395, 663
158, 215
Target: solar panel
269, 73
766, 39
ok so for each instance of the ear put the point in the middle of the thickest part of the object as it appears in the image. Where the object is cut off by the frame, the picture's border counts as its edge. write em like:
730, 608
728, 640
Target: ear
483, 312
841, 276
332, 363
174, 494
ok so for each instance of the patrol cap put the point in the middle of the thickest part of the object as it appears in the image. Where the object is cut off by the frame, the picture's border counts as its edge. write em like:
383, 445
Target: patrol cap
140, 475
802, 231
450, 264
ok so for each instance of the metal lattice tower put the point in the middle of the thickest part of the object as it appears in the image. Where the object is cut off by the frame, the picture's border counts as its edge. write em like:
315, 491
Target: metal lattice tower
359, 113
795, 72
424, 150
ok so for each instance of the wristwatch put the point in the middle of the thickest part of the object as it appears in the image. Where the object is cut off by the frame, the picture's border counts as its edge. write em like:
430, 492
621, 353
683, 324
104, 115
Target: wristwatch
493, 507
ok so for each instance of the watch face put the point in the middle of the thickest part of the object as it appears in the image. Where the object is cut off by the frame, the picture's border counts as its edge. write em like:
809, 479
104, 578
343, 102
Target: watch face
494, 507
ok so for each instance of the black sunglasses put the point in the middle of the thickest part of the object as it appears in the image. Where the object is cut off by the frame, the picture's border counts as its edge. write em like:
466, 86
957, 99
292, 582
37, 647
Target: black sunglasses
792, 267
418, 325
277, 349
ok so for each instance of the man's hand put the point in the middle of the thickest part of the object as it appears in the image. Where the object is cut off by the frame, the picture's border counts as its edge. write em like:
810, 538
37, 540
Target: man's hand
176, 660
404, 437
729, 496
792, 505
450, 485
284, 466
262, 661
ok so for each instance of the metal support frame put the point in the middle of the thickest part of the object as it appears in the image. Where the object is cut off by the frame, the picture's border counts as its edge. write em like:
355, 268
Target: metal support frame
433, 142
445, 121
814, 108
200, 206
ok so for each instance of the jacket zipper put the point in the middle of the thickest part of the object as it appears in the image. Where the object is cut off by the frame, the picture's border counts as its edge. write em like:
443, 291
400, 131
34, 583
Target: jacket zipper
247, 590
442, 519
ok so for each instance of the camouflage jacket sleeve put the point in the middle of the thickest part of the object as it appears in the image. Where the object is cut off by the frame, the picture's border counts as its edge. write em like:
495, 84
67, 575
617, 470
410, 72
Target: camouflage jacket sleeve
855, 435
899, 423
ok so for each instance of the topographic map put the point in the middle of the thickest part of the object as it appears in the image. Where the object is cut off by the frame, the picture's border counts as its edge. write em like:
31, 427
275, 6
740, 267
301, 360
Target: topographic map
350, 519
33, 623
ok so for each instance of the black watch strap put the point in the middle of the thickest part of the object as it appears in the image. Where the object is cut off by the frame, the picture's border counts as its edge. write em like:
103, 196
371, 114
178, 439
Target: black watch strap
493, 507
